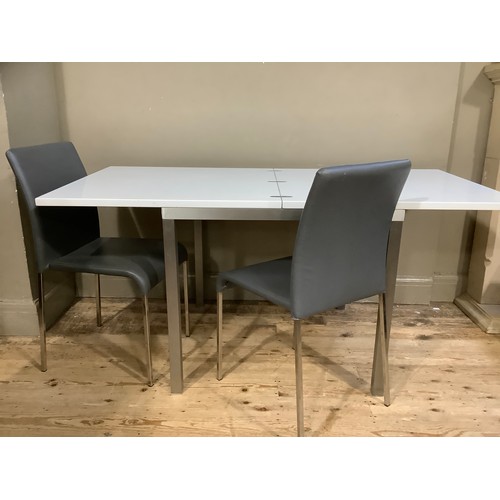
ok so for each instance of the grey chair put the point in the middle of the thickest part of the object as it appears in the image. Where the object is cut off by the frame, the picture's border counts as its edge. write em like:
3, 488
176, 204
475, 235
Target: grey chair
68, 238
339, 255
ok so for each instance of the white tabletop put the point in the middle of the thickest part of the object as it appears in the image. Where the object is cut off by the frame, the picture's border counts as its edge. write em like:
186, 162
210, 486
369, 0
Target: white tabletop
266, 188
173, 187
426, 189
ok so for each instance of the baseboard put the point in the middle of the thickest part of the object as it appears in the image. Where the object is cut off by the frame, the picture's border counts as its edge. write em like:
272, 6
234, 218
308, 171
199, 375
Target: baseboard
446, 287
409, 289
413, 290
116, 286
18, 318
486, 316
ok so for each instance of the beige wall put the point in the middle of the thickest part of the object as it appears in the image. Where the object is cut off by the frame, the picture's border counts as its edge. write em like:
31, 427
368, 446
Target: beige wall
28, 115
16, 305
281, 114
240, 114
295, 115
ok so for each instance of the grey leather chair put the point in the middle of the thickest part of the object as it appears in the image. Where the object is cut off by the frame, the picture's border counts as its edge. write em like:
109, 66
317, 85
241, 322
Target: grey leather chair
68, 238
339, 255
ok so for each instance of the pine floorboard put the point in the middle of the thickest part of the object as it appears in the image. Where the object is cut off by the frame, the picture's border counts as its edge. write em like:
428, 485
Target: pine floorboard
445, 375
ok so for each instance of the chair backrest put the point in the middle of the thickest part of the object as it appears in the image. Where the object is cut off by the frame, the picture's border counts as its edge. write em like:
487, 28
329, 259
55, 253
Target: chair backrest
341, 244
56, 230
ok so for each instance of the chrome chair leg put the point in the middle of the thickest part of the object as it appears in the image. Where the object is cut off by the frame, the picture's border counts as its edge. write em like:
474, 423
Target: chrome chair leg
98, 299
219, 335
41, 324
186, 296
298, 377
384, 347
147, 341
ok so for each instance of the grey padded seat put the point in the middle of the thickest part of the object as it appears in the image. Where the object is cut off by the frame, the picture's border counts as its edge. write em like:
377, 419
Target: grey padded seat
339, 255
68, 238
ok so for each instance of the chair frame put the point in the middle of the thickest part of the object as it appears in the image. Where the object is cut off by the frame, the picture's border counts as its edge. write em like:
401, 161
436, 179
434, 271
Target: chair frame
145, 304
380, 336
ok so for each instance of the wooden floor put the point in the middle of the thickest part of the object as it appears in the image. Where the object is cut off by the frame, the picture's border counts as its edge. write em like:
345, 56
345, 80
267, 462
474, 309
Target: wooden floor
445, 375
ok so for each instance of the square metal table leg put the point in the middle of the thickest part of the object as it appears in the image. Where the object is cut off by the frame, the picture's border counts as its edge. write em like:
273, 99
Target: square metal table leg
173, 305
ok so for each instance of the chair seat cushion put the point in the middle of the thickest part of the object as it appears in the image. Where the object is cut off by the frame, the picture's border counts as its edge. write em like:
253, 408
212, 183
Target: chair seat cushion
137, 258
270, 280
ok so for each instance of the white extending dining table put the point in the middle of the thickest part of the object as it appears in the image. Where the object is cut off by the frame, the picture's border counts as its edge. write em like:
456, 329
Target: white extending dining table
207, 193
